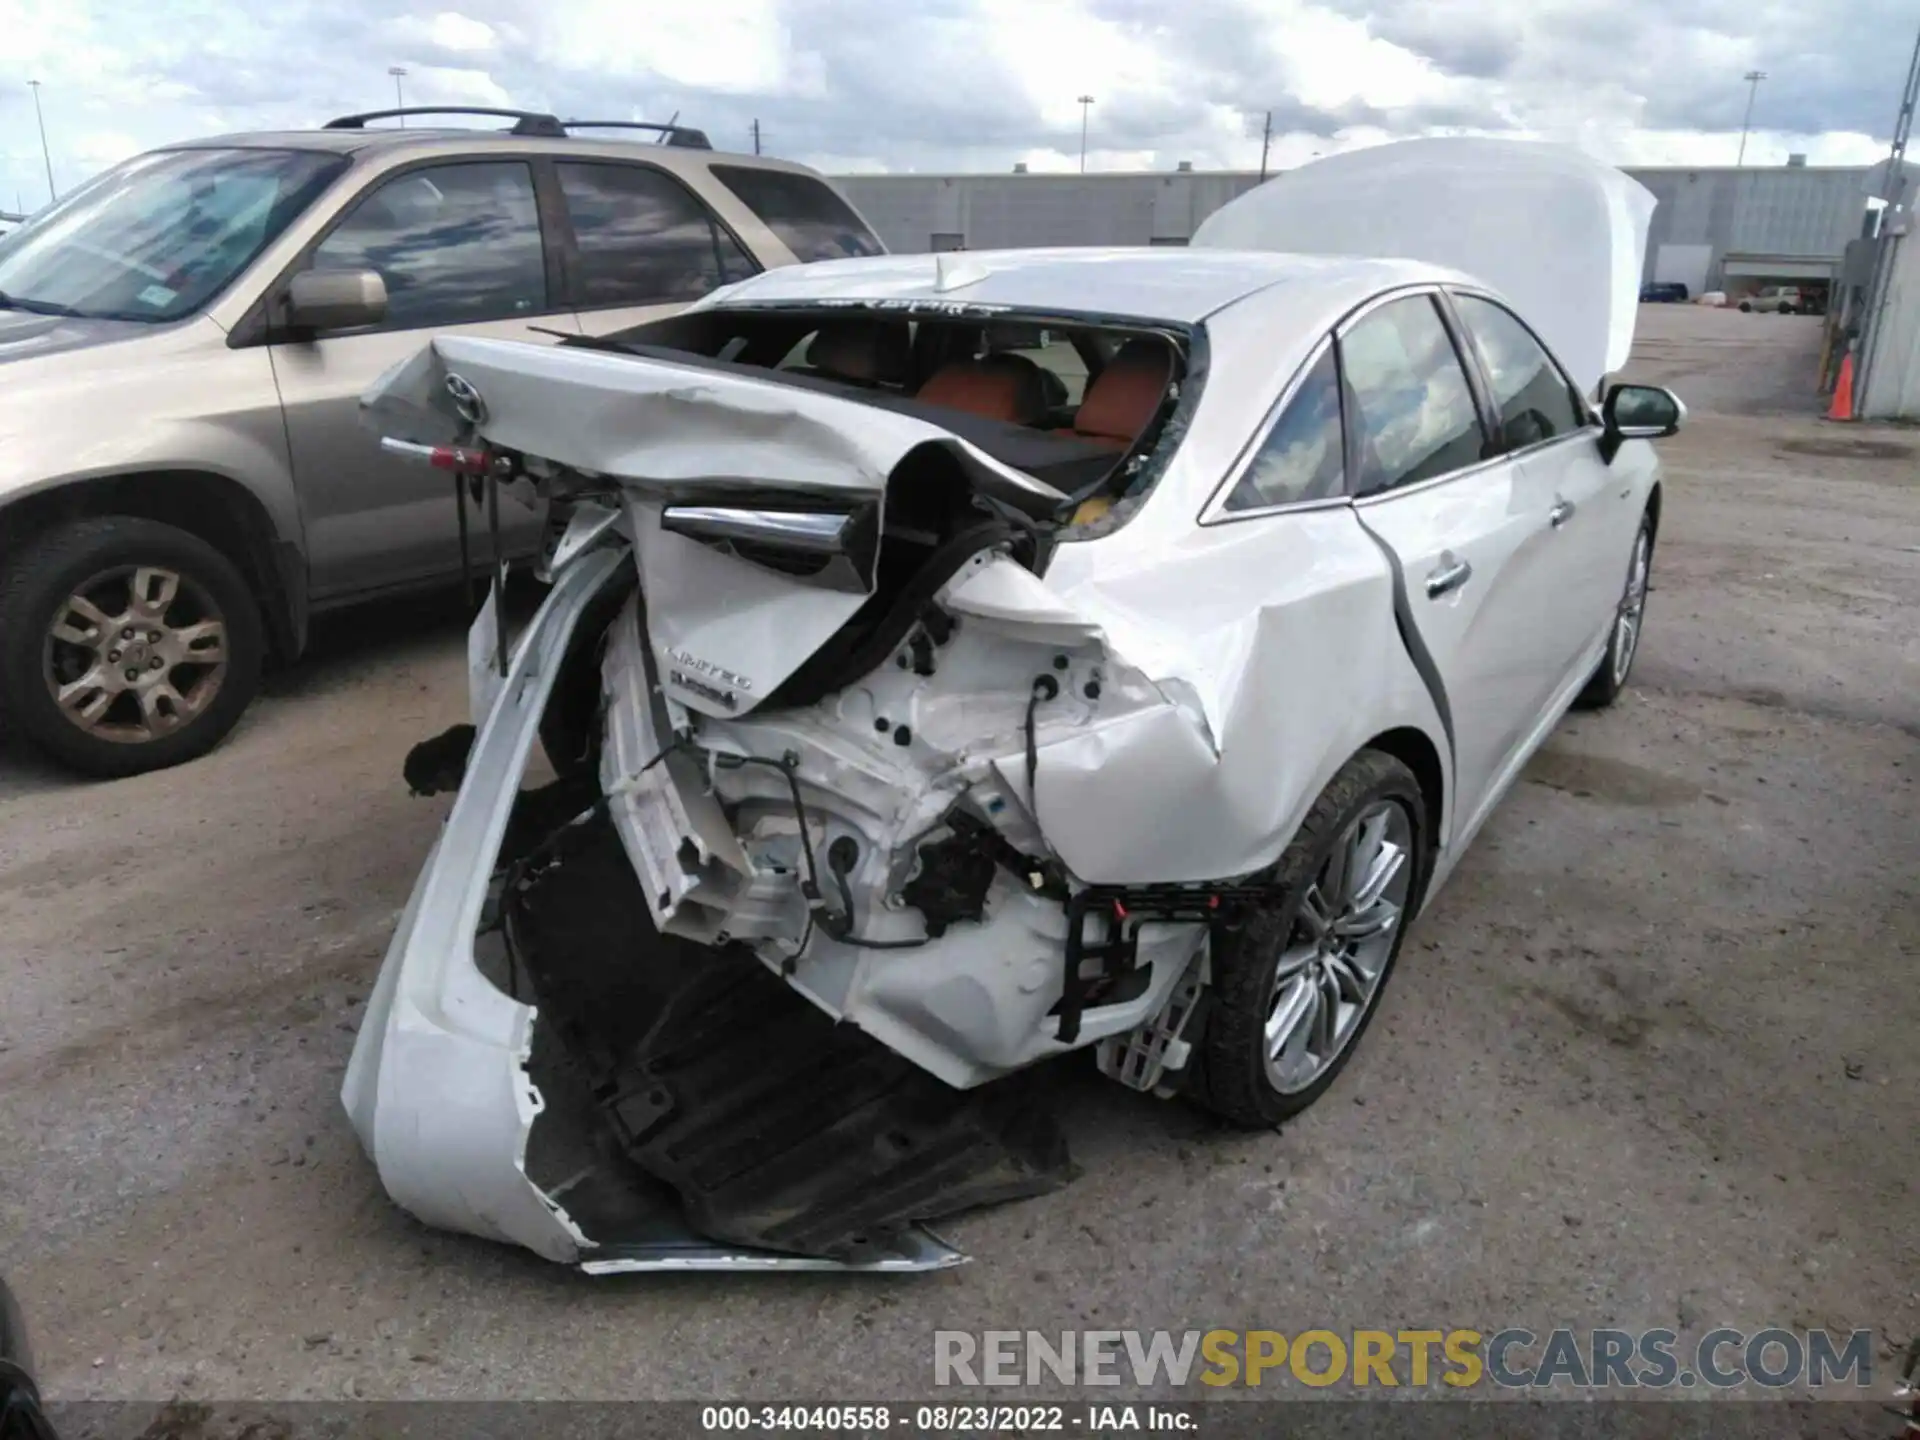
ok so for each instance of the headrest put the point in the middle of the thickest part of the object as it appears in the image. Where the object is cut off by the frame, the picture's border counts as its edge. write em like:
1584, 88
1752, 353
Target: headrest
1125, 395
872, 352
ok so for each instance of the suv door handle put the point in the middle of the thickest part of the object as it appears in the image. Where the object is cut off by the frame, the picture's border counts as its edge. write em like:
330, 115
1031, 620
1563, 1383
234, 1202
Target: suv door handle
1449, 577
1560, 514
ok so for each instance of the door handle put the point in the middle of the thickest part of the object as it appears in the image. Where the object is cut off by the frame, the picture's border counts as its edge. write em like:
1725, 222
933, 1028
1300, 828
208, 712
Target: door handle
1561, 513
1448, 578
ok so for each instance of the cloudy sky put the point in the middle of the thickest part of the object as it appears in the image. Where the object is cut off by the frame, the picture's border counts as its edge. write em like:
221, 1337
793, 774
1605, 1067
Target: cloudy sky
858, 85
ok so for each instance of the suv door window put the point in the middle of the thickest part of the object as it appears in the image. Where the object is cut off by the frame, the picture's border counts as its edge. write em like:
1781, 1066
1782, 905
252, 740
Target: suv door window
1533, 397
1409, 404
1300, 458
643, 239
805, 213
456, 244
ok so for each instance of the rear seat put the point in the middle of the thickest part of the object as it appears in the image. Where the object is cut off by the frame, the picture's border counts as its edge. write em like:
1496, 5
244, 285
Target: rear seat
1124, 396
998, 387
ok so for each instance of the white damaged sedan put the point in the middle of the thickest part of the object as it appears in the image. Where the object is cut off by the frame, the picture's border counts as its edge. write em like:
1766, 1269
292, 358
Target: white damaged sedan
953, 662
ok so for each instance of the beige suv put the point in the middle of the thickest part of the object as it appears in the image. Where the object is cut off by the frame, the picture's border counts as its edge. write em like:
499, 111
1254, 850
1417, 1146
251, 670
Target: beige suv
183, 341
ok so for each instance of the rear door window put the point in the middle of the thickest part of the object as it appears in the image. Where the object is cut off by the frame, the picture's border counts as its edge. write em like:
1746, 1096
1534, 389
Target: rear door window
1410, 406
643, 239
805, 213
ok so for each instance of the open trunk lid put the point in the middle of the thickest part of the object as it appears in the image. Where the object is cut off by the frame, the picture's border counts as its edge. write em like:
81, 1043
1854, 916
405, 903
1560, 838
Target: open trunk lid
714, 467
1559, 233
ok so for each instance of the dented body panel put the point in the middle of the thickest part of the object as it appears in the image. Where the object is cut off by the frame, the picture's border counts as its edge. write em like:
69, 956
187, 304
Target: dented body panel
437, 1087
888, 779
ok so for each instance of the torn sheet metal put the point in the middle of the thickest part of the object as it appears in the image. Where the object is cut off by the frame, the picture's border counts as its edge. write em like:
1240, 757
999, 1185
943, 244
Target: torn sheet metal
1559, 233
1172, 740
484, 680
438, 1088
667, 432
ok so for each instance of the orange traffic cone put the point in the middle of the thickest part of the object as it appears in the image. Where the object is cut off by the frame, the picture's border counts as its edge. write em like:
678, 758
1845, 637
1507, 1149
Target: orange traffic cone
1842, 406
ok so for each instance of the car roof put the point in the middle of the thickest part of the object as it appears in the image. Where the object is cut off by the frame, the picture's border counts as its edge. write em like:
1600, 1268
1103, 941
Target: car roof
430, 142
1176, 286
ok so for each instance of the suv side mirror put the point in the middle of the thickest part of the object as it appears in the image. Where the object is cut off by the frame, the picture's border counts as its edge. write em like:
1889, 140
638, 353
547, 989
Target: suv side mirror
1638, 412
336, 299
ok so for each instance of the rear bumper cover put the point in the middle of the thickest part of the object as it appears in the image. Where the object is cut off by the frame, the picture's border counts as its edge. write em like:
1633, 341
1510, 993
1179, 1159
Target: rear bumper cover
437, 1087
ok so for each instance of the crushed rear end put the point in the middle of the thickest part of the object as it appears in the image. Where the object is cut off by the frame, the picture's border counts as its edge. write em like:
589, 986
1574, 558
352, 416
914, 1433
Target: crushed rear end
760, 978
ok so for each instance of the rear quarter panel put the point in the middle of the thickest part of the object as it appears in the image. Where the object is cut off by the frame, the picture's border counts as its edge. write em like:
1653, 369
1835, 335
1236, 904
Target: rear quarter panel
1277, 640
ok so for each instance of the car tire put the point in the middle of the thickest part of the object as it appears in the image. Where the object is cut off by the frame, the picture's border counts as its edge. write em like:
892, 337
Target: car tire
1242, 1071
142, 703
1629, 624
1746, 308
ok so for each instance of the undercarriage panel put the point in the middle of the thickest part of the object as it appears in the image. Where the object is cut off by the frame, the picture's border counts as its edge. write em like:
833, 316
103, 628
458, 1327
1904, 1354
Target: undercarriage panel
775, 1127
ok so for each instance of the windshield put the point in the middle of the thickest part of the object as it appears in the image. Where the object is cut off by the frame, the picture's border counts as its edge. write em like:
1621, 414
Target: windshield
158, 237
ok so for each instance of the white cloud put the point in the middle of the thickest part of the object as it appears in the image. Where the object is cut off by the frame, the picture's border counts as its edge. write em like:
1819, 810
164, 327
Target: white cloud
976, 84
453, 31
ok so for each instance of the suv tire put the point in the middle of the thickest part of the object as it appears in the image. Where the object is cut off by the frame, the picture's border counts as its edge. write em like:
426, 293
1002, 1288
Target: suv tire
167, 687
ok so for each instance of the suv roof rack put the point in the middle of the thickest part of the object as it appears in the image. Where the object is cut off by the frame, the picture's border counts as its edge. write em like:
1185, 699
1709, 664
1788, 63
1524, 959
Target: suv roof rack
532, 122
526, 122
683, 136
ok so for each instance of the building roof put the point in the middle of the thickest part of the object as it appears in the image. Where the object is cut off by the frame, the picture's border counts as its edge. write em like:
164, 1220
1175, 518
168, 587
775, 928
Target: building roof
1177, 286
863, 176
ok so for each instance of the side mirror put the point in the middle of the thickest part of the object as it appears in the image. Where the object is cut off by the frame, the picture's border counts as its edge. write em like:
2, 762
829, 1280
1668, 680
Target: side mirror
336, 299
1638, 412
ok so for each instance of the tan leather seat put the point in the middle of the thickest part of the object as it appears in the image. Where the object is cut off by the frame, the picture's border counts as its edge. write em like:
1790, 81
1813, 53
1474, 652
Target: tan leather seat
1126, 395
998, 387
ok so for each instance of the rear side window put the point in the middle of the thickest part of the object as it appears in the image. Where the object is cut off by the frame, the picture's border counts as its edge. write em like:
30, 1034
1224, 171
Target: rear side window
1534, 399
804, 212
1300, 457
455, 244
1412, 412
643, 239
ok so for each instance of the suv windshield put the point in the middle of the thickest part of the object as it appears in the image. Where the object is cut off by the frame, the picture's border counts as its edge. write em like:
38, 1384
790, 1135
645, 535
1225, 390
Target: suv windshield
160, 236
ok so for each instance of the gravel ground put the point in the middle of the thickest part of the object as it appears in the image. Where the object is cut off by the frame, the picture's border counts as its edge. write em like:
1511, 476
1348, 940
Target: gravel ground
1649, 1061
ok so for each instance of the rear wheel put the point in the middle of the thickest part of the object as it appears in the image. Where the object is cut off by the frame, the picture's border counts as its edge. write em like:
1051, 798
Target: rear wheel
125, 645
1295, 987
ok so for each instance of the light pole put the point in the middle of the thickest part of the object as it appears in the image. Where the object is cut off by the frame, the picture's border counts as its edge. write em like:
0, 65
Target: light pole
1753, 79
399, 73
45, 153
1085, 101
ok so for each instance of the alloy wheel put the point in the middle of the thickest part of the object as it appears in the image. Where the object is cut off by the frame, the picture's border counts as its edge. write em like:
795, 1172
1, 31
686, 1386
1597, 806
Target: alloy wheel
135, 653
1338, 950
1633, 605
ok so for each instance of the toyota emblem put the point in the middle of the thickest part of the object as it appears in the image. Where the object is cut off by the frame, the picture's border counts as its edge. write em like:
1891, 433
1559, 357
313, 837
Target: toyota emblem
467, 400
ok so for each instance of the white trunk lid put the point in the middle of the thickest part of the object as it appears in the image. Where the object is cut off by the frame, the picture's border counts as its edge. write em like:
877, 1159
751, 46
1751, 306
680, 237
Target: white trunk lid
725, 631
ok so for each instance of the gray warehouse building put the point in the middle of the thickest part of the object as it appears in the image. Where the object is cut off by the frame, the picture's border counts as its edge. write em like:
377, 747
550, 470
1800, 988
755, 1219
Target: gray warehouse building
1727, 229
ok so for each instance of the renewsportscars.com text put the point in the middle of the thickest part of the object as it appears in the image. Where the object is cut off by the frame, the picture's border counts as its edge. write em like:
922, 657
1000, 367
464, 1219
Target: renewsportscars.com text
1510, 1359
